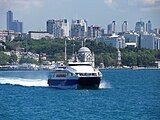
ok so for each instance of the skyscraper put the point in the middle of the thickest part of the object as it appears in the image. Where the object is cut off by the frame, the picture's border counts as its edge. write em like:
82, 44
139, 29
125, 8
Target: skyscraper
112, 27
9, 20
59, 28
14, 25
17, 26
149, 27
94, 31
124, 27
140, 27
109, 29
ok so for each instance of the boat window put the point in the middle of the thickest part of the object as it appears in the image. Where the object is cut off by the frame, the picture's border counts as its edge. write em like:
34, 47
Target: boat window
61, 75
69, 74
94, 74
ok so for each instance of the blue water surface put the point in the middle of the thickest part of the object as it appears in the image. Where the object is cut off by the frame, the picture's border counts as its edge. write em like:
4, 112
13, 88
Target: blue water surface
126, 95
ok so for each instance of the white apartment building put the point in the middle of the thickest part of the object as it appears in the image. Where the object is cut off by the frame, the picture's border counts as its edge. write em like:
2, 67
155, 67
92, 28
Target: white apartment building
8, 35
58, 28
79, 28
36, 35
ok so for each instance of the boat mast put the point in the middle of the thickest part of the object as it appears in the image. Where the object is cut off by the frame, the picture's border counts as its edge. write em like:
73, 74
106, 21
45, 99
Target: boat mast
73, 48
65, 55
82, 43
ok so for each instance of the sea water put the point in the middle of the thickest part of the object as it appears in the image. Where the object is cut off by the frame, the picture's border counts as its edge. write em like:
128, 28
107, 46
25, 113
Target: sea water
123, 95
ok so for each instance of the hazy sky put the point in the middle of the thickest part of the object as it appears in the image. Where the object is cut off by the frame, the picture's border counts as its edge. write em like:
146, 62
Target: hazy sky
35, 13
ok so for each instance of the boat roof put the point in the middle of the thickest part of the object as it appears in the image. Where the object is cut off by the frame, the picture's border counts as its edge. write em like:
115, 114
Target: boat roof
80, 63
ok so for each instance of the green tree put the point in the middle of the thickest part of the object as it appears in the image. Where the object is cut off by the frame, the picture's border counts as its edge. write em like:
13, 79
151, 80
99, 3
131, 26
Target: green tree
3, 58
13, 58
129, 58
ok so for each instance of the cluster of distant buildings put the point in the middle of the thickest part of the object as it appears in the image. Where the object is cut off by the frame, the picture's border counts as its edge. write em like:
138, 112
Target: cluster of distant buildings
144, 36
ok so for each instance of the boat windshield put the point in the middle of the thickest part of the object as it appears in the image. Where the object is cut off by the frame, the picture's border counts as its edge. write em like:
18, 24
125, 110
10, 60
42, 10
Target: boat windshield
60, 75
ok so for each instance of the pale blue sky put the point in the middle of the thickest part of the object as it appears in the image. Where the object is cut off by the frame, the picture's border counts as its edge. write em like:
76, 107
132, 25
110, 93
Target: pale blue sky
35, 13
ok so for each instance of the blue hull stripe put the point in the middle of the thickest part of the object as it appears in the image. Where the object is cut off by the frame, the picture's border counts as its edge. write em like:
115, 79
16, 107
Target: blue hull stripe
64, 82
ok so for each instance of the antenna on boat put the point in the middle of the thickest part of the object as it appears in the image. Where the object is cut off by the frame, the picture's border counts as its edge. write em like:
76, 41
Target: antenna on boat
65, 55
73, 48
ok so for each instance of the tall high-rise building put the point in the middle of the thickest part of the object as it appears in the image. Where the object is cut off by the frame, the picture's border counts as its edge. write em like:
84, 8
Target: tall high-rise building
124, 27
109, 29
59, 28
14, 25
112, 27
149, 27
79, 28
17, 26
9, 20
94, 31
140, 27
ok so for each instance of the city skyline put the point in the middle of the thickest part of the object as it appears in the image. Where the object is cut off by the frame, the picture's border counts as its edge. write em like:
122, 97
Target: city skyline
34, 14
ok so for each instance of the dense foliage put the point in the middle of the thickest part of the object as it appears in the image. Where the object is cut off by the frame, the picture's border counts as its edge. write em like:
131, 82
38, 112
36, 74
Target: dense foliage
6, 59
103, 53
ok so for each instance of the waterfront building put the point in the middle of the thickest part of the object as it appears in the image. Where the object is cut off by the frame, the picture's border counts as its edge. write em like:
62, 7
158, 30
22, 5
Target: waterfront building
79, 28
14, 25
58, 28
116, 41
140, 27
36, 35
94, 32
112, 27
149, 27
124, 27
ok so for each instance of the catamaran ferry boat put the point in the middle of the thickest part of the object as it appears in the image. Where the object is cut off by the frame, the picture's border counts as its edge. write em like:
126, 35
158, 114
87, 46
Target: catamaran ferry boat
80, 73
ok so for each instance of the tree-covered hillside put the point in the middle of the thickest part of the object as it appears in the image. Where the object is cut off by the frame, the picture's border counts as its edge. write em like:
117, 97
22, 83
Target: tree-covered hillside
103, 53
